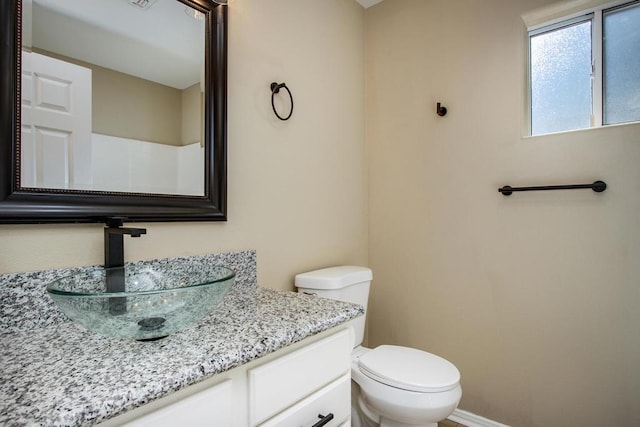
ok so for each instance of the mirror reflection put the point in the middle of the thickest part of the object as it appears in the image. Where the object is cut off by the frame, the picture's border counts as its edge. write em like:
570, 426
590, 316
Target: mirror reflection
113, 96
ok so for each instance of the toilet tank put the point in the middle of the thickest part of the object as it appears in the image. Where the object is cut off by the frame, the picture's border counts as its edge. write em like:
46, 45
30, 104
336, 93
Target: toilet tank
344, 283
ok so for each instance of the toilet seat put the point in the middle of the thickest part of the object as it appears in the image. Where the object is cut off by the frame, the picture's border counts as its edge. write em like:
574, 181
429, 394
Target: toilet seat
409, 369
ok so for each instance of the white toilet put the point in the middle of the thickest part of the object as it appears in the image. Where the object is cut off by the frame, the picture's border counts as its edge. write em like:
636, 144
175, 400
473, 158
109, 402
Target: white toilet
398, 386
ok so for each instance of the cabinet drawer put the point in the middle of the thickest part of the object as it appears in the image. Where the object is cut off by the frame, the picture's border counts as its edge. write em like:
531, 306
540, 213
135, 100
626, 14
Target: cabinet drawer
211, 407
277, 385
333, 399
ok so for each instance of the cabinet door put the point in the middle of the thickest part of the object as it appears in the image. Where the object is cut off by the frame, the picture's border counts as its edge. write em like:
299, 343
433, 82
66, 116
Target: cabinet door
334, 399
276, 385
211, 407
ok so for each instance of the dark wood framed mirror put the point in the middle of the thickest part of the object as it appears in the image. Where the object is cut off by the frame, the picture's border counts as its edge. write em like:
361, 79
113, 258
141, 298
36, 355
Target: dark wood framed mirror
34, 191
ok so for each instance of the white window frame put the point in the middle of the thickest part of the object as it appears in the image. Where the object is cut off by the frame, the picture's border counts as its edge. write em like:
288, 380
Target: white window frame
593, 14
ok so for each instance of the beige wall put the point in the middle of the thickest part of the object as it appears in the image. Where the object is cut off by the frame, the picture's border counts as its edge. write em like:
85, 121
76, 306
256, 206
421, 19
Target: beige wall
534, 297
192, 124
130, 107
297, 189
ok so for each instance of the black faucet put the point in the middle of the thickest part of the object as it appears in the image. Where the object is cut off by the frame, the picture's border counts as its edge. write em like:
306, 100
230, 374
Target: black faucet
114, 260
114, 241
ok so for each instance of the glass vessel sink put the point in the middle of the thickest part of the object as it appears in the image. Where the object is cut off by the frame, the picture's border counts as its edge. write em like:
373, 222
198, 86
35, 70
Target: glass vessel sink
141, 302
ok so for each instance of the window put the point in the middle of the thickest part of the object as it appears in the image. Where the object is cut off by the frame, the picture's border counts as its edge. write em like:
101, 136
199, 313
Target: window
585, 71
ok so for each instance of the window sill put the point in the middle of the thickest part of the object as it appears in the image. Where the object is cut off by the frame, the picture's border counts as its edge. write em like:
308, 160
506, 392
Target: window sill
587, 131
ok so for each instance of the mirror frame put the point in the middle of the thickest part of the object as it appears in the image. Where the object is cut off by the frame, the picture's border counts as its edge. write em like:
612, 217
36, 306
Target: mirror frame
34, 205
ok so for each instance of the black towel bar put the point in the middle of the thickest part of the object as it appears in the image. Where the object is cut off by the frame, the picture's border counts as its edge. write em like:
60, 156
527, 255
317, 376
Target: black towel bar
598, 187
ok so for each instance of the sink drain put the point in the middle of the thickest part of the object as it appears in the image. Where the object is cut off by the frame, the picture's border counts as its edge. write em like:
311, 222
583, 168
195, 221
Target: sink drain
151, 323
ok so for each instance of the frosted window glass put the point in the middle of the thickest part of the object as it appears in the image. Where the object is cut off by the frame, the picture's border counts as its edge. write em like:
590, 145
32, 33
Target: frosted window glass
621, 56
561, 79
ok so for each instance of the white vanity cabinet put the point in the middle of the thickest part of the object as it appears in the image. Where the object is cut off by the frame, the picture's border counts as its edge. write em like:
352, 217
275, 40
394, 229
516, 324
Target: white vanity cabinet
304, 384
292, 387
214, 403
327, 403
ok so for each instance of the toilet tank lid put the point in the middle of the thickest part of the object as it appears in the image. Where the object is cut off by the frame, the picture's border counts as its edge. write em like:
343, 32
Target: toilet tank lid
333, 277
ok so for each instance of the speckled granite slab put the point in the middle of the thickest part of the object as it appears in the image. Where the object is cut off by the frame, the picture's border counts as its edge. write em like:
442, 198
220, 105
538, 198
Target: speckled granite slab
25, 305
59, 374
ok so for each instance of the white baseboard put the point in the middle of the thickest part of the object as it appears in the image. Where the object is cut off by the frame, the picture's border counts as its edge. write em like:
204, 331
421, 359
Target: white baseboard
473, 420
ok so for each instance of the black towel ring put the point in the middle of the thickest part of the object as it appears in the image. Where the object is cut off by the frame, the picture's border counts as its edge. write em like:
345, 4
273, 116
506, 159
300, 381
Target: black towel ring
275, 88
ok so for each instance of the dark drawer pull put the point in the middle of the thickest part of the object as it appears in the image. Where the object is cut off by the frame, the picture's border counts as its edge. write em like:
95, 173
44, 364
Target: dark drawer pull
324, 420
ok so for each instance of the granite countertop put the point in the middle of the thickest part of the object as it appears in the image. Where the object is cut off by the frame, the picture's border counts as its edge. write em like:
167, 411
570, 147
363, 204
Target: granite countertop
61, 374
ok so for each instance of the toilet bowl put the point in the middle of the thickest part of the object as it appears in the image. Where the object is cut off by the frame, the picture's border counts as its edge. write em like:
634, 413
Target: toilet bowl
394, 386
401, 386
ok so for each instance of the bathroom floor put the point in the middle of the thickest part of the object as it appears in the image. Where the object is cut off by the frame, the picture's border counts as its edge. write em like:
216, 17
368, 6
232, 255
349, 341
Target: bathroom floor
449, 423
